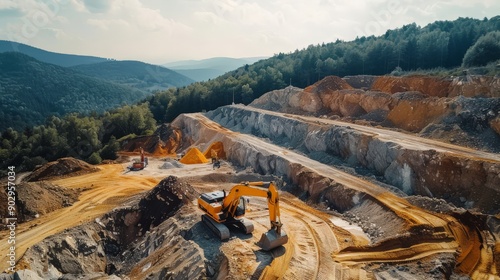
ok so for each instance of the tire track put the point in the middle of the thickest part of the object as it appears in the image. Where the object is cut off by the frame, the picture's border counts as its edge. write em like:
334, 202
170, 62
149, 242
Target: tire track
103, 190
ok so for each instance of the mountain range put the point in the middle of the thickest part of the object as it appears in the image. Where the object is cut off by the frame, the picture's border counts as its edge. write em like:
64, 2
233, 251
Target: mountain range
35, 83
65, 60
205, 69
135, 74
32, 90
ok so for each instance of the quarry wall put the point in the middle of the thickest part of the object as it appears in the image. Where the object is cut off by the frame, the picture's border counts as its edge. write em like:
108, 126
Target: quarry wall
464, 181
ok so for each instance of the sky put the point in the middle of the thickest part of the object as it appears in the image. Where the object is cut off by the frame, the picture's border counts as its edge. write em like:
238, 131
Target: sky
160, 31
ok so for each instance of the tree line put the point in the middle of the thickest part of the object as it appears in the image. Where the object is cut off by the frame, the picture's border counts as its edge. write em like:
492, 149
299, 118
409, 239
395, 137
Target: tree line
31, 91
91, 138
464, 42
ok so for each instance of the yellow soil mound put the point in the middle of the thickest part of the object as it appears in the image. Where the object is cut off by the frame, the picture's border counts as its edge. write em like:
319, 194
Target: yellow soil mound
427, 85
328, 84
193, 156
218, 148
63, 167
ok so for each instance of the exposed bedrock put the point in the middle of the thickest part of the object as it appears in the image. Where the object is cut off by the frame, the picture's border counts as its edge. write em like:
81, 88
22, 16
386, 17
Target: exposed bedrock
466, 181
145, 240
242, 153
462, 110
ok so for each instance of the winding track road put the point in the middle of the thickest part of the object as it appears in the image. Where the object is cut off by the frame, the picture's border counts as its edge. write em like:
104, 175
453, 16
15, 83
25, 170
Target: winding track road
449, 234
313, 237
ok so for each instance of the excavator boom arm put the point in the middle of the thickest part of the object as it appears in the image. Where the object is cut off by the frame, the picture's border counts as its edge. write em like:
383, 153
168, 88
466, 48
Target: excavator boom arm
220, 206
232, 200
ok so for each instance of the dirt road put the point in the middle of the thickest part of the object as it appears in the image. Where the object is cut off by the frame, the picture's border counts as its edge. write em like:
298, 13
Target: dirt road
105, 190
446, 234
318, 248
406, 140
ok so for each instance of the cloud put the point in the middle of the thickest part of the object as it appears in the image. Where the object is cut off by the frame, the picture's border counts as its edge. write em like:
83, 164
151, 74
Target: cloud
132, 14
98, 6
10, 12
195, 29
8, 5
106, 24
146, 18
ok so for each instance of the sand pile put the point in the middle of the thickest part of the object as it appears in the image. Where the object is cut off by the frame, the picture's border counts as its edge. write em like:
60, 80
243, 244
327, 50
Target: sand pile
217, 148
62, 167
171, 163
193, 156
328, 84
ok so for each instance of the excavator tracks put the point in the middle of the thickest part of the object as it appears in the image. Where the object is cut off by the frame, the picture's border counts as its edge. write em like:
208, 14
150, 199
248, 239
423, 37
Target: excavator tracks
219, 229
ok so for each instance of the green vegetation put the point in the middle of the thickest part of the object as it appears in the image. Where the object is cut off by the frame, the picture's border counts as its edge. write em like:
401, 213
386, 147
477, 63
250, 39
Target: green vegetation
440, 45
65, 60
135, 74
91, 138
31, 91
485, 50
437, 47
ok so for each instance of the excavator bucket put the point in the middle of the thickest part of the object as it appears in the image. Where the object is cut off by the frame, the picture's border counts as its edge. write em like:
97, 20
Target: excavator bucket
272, 239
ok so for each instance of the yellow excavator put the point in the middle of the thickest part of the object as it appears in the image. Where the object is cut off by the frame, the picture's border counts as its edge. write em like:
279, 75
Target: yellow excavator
227, 210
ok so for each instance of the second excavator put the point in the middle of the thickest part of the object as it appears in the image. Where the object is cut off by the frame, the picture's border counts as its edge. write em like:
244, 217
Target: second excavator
223, 210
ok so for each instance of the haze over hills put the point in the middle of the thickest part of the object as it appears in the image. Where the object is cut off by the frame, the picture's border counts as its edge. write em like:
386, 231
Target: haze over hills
32, 90
205, 69
65, 60
135, 74
444, 48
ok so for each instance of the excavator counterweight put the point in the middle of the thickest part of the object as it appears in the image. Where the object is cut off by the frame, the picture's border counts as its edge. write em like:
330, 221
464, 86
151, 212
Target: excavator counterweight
224, 210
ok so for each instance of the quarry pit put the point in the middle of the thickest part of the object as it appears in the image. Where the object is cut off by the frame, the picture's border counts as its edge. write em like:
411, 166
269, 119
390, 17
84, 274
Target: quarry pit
363, 196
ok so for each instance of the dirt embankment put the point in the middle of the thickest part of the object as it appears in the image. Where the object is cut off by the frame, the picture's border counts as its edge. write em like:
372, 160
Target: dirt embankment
143, 240
61, 168
402, 234
415, 166
164, 142
468, 86
38, 198
429, 106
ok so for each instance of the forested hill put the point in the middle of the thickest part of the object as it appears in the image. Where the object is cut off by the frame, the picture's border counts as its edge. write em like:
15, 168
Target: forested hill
31, 90
443, 44
60, 59
136, 74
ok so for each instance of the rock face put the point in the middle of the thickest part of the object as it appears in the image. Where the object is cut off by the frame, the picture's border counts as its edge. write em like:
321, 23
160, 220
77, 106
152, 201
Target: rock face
427, 85
165, 141
429, 106
470, 86
144, 240
467, 182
